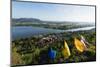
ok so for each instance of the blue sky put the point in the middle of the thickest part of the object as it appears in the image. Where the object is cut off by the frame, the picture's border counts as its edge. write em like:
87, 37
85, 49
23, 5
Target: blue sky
53, 12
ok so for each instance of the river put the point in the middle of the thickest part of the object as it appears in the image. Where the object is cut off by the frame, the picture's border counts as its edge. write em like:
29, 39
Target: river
27, 31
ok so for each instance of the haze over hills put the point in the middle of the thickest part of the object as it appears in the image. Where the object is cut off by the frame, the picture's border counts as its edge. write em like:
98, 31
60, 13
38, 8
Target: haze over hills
25, 20
35, 20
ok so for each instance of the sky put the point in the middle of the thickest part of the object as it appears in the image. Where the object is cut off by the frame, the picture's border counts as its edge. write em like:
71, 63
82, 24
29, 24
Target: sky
53, 12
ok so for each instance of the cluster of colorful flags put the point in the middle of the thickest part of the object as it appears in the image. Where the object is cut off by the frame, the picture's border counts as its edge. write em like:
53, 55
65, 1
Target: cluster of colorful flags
79, 44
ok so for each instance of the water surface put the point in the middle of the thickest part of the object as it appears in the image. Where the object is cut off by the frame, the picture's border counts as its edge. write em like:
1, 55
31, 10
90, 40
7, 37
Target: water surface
27, 31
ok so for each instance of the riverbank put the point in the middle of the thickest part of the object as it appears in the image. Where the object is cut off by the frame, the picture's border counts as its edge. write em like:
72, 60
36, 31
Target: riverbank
18, 32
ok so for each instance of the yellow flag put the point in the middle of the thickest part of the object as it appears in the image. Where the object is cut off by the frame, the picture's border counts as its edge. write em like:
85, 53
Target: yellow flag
79, 45
66, 52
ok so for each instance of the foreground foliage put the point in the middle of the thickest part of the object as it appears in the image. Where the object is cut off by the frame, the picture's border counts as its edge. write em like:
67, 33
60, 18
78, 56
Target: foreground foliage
34, 50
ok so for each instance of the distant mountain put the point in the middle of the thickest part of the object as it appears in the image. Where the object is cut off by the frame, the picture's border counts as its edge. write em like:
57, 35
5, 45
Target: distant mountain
35, 20
26, 20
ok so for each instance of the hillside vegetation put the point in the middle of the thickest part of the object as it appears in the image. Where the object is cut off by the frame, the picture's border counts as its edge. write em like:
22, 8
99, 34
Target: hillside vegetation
34, 50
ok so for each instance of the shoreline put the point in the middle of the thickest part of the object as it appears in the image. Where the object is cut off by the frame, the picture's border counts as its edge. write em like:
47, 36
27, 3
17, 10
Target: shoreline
53, 31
